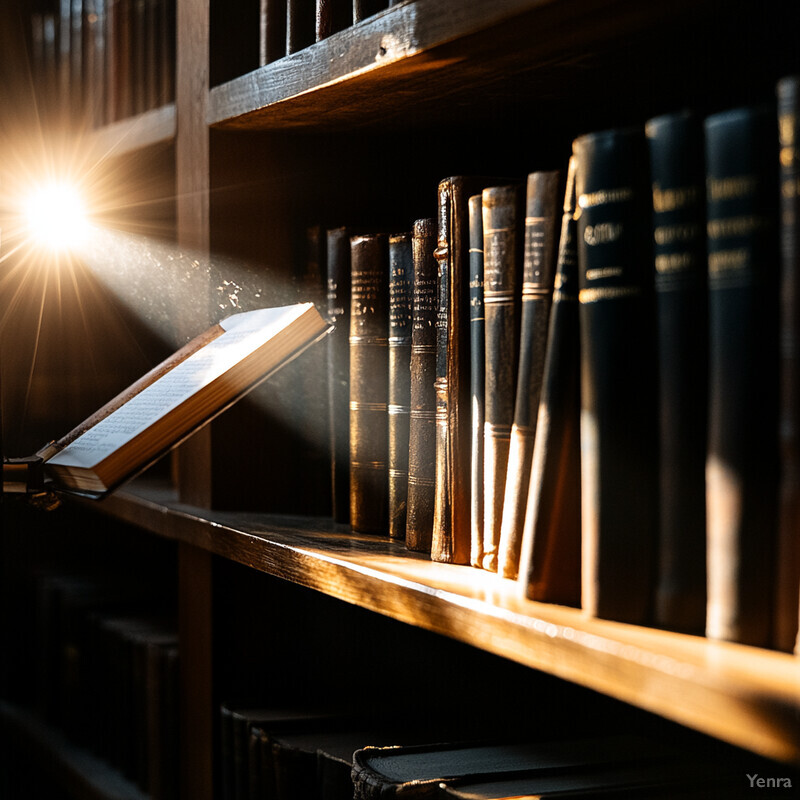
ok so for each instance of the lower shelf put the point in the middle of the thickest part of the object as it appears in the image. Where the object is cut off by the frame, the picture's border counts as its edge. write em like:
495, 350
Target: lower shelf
743, 695
80, 774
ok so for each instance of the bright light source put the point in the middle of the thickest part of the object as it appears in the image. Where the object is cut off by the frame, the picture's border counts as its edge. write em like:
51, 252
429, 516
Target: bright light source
56, 216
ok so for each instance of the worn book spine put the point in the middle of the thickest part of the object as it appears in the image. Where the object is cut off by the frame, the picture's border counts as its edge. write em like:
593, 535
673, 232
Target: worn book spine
550, 557
539, 262
788, 548
300, 24
477, 344
401, 279
741, 467
366, 8
677, 176
422, 425
451, 535
618, 390
332, 16
338, 266
502, 248
272, 31
369, 383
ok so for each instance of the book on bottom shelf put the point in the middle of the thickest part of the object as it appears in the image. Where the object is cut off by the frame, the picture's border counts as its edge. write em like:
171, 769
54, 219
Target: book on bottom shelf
178, 397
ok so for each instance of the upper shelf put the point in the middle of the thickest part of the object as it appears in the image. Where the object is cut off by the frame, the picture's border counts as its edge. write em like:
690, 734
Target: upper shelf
410, 57
743, 695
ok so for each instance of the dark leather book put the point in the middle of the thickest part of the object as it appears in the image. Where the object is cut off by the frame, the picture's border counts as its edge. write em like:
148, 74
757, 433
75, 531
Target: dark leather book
300, 24
422, 427
477, 348
550, 557
502, 256
272, 33
401, 279
451, 532
338, 264
788, 552
677, 174
538, 270
618, 387
366, 8
369, 383
741, 467
332, 16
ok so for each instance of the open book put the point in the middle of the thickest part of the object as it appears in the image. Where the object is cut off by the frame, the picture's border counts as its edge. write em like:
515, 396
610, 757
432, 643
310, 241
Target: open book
179, 396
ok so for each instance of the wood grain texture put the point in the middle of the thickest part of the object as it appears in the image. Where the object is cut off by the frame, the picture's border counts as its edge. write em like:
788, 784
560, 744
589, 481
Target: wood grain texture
417, 54
746, 696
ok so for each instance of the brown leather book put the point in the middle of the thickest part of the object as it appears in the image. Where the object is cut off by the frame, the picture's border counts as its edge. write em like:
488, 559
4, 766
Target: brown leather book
451, 539
422, 428
369, 383
539, 261
502, 251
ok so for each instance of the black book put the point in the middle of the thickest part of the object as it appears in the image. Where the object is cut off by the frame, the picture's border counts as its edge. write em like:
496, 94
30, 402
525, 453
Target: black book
300, 24
369, 383
366, 8
273, 31
422, 427
741, 467
538, 270
788, 553
401, 279
477, 344
677, 174
618, 387
332, 16
338, 264
502, 248
550, 557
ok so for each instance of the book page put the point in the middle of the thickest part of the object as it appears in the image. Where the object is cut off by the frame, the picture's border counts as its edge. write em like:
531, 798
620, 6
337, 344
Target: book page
244, 334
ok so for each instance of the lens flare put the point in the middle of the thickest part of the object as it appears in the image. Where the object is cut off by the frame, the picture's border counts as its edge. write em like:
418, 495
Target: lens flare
56, 217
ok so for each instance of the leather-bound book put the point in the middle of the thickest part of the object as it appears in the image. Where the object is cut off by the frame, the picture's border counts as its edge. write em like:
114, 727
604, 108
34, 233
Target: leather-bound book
741, 467
366, 8
477, 345
538, 270
338, 266
272, 31
502, 248
788, 554
677, 174
422, 427
369, 383
300, 24
332, 16
451, 533
550, 558
618, 370
401, 278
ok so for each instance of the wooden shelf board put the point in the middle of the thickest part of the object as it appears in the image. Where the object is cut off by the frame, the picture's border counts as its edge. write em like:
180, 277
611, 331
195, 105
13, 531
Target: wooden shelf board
747, 696
82, 775
406, 60
157, 126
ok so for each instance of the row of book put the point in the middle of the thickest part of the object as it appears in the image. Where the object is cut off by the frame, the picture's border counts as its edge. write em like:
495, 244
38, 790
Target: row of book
105, 60
588, 401
280, 754
107, 661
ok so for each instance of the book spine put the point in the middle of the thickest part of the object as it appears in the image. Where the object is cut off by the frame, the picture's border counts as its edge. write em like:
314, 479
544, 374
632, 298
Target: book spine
369, 383
618, 401
331, 16
273, 31
477, 344
788, 548
422, 425
366, 8
677, 175
300, 24
501, 279
741, 466
550, 557
338, 264
539, 256
451, 538
401, 278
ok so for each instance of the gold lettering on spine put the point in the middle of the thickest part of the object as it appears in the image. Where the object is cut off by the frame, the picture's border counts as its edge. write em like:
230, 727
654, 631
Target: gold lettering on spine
672, 199
667, 234
726, 260
607, 293
734, 226
603, 272
731, 188
674, 262
602, 233
603, 196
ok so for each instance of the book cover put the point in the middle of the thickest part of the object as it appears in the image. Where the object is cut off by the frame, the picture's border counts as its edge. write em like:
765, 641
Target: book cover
618, 376
550, 554
369, 383
538, 271
401, 280
422, 424
677, 175
178, 397
742, 459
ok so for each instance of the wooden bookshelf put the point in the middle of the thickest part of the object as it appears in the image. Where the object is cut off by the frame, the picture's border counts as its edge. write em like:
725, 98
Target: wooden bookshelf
406, 95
